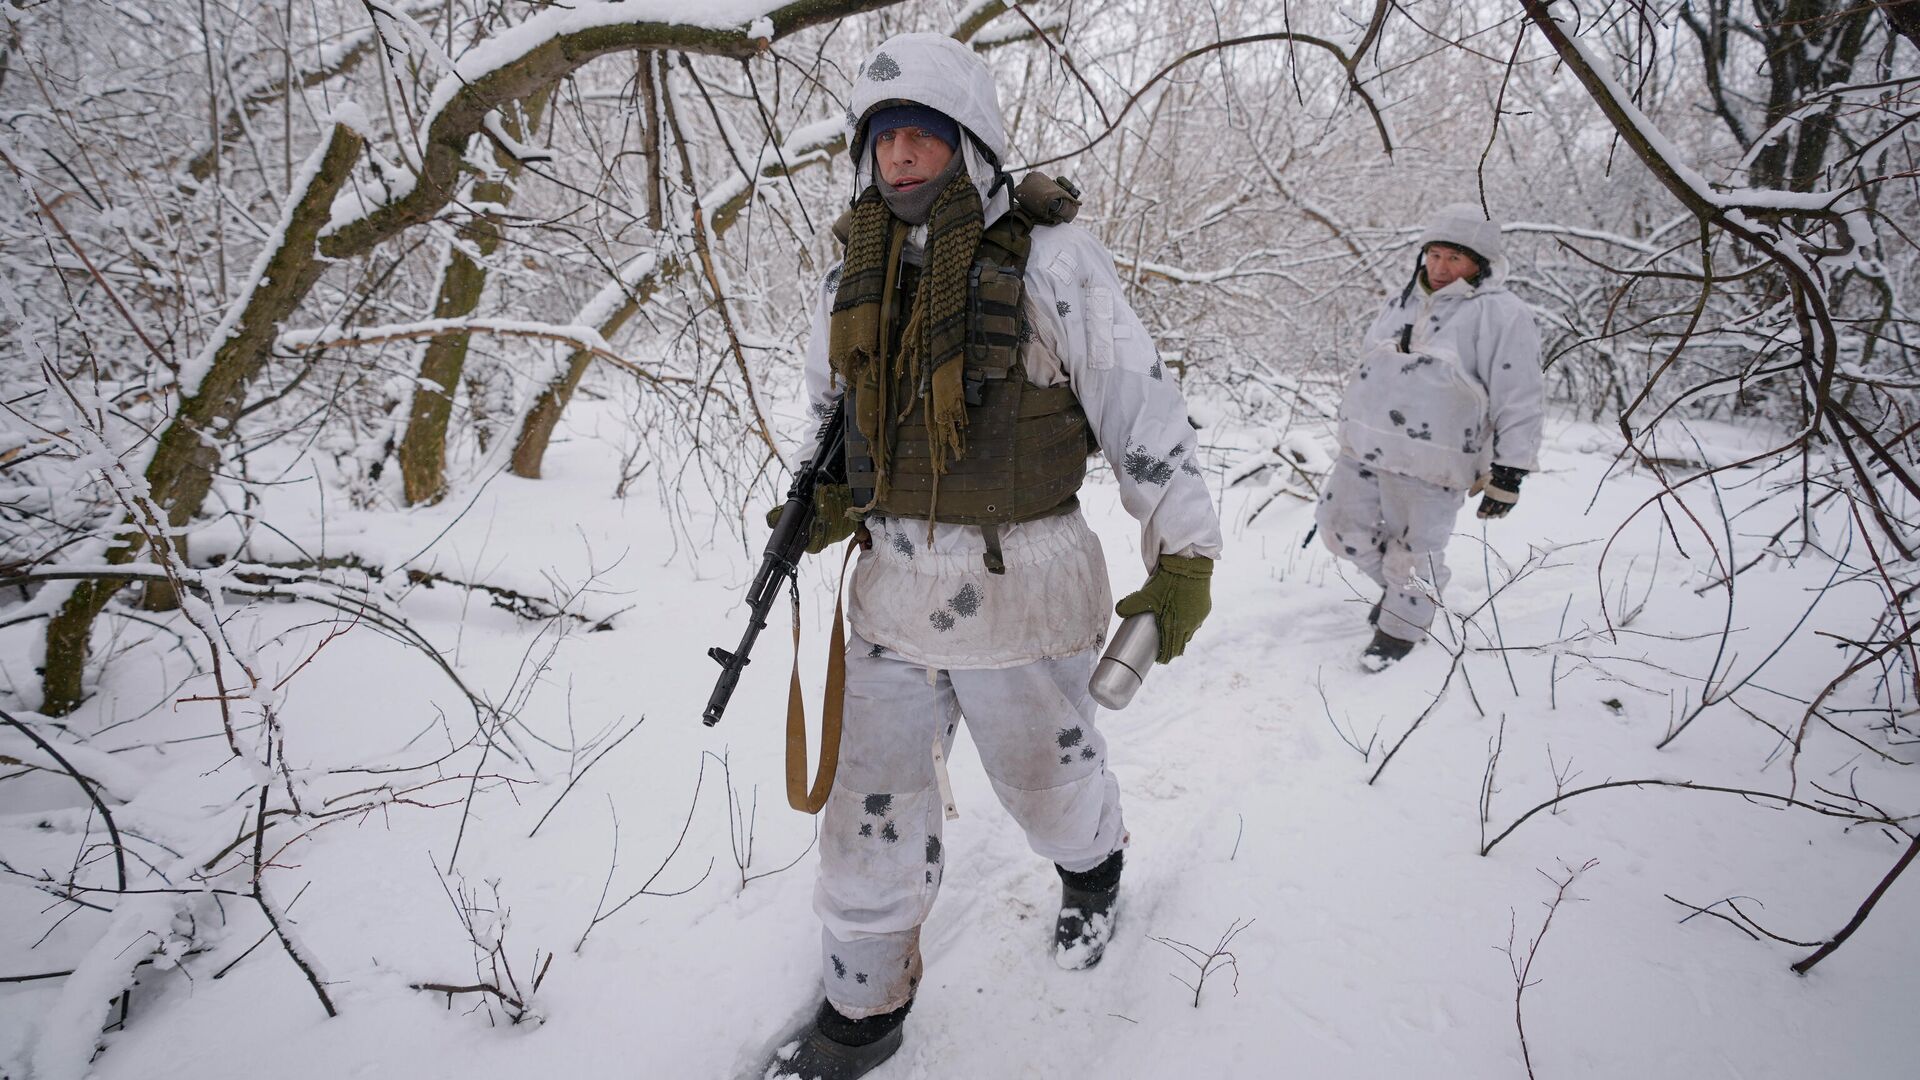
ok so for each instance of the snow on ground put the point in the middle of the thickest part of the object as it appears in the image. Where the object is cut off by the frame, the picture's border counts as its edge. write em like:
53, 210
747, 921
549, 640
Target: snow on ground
1369, 928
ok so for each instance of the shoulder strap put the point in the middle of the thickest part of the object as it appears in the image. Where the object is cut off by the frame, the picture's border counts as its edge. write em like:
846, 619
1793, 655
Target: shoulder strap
1037, 200
1007, 241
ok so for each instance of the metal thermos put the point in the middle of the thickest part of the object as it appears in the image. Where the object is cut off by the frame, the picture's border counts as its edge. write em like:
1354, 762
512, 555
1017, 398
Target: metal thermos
1124, 666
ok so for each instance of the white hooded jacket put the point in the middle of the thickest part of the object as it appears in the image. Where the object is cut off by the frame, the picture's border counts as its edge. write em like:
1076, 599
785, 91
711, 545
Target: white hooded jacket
930, 599
1466, 390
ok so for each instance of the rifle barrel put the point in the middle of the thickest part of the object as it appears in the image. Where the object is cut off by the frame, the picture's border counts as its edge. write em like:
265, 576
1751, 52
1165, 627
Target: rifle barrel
779, 562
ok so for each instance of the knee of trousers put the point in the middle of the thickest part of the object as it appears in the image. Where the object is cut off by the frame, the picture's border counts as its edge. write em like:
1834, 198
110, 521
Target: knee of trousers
880, 861
1347, 534
1403, 567
1071, 824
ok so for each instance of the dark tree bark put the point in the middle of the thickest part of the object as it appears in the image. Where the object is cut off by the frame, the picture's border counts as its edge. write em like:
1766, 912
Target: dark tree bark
1809, 46
423, 449
181, 471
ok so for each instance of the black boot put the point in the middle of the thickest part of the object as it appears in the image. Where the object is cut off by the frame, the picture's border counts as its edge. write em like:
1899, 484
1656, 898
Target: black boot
1087, 902
1373, 617
833, 1047
1384, 651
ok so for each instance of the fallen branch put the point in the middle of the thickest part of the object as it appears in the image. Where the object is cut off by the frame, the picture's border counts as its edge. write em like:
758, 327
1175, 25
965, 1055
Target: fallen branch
1860, 916
604, 751
86, 785
1783, 800
1522, 969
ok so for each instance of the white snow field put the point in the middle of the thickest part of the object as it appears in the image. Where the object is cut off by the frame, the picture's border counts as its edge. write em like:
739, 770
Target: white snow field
1369, 927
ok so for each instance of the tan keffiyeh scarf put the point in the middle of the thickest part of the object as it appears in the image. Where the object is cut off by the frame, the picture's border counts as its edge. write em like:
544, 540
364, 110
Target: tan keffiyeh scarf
929, 362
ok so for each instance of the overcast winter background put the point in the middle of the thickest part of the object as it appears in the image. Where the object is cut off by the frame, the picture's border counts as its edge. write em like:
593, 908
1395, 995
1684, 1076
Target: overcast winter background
392, 392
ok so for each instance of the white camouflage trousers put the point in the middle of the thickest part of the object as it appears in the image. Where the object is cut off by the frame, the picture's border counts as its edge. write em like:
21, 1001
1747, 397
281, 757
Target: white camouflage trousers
1395, 530
880, 847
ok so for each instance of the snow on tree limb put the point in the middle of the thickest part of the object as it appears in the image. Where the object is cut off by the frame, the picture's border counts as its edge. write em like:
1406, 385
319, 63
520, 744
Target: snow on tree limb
535, 55
580, 335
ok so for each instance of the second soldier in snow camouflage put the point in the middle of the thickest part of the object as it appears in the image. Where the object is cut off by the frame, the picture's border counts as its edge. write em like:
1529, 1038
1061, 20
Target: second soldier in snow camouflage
1447, 400
986, 346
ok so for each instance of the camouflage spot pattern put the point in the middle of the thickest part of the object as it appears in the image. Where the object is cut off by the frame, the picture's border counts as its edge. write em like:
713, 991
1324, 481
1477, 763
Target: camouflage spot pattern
1063, 308
1147, 469
966, 602
942, 621
1069, 737
883, 68
878, 805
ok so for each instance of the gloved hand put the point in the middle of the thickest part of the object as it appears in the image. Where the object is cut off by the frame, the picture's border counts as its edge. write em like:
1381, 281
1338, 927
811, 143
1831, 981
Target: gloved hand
1179, 594
830, 521
1502, 490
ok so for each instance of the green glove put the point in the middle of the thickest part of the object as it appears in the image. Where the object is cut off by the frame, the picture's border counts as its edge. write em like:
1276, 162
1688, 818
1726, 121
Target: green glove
830, 521
1179, 595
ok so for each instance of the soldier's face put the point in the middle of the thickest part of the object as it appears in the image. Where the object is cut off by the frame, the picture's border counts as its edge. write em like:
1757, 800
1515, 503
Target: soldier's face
1446, 265
909, 156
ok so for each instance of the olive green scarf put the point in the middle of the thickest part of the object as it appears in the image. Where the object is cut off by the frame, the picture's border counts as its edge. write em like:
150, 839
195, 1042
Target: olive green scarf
928, 364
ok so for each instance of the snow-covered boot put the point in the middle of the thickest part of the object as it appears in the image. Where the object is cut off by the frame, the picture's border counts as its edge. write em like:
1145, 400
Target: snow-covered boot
1384, 651
832, 1047
1087, 902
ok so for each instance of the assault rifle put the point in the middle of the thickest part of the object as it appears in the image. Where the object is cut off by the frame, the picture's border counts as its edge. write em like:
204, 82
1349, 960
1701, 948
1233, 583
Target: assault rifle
782, 557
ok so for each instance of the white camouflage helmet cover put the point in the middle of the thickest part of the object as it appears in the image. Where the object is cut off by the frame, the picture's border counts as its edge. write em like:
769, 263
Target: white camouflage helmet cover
1463, 225
936, 71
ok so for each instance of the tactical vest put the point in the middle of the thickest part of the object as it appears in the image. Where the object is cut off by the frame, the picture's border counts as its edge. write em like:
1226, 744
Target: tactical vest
1027, 445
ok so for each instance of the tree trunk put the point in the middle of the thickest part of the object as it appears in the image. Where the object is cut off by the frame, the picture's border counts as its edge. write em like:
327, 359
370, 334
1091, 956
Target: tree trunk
536, 429
423, 450
180, 473
543, 416
1813, 46
181, 470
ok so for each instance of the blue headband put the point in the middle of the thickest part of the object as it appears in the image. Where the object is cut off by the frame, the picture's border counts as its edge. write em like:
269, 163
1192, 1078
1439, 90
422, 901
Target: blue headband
942, 126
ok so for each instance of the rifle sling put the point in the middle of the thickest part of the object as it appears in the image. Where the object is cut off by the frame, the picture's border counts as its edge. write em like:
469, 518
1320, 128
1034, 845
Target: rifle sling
799, 796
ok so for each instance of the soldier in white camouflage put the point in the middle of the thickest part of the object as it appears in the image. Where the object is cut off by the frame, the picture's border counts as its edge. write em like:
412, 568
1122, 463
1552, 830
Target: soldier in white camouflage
1447, 401
984, 347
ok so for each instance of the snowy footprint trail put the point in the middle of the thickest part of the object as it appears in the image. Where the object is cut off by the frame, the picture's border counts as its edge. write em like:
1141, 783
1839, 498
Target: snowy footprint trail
1368, 926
